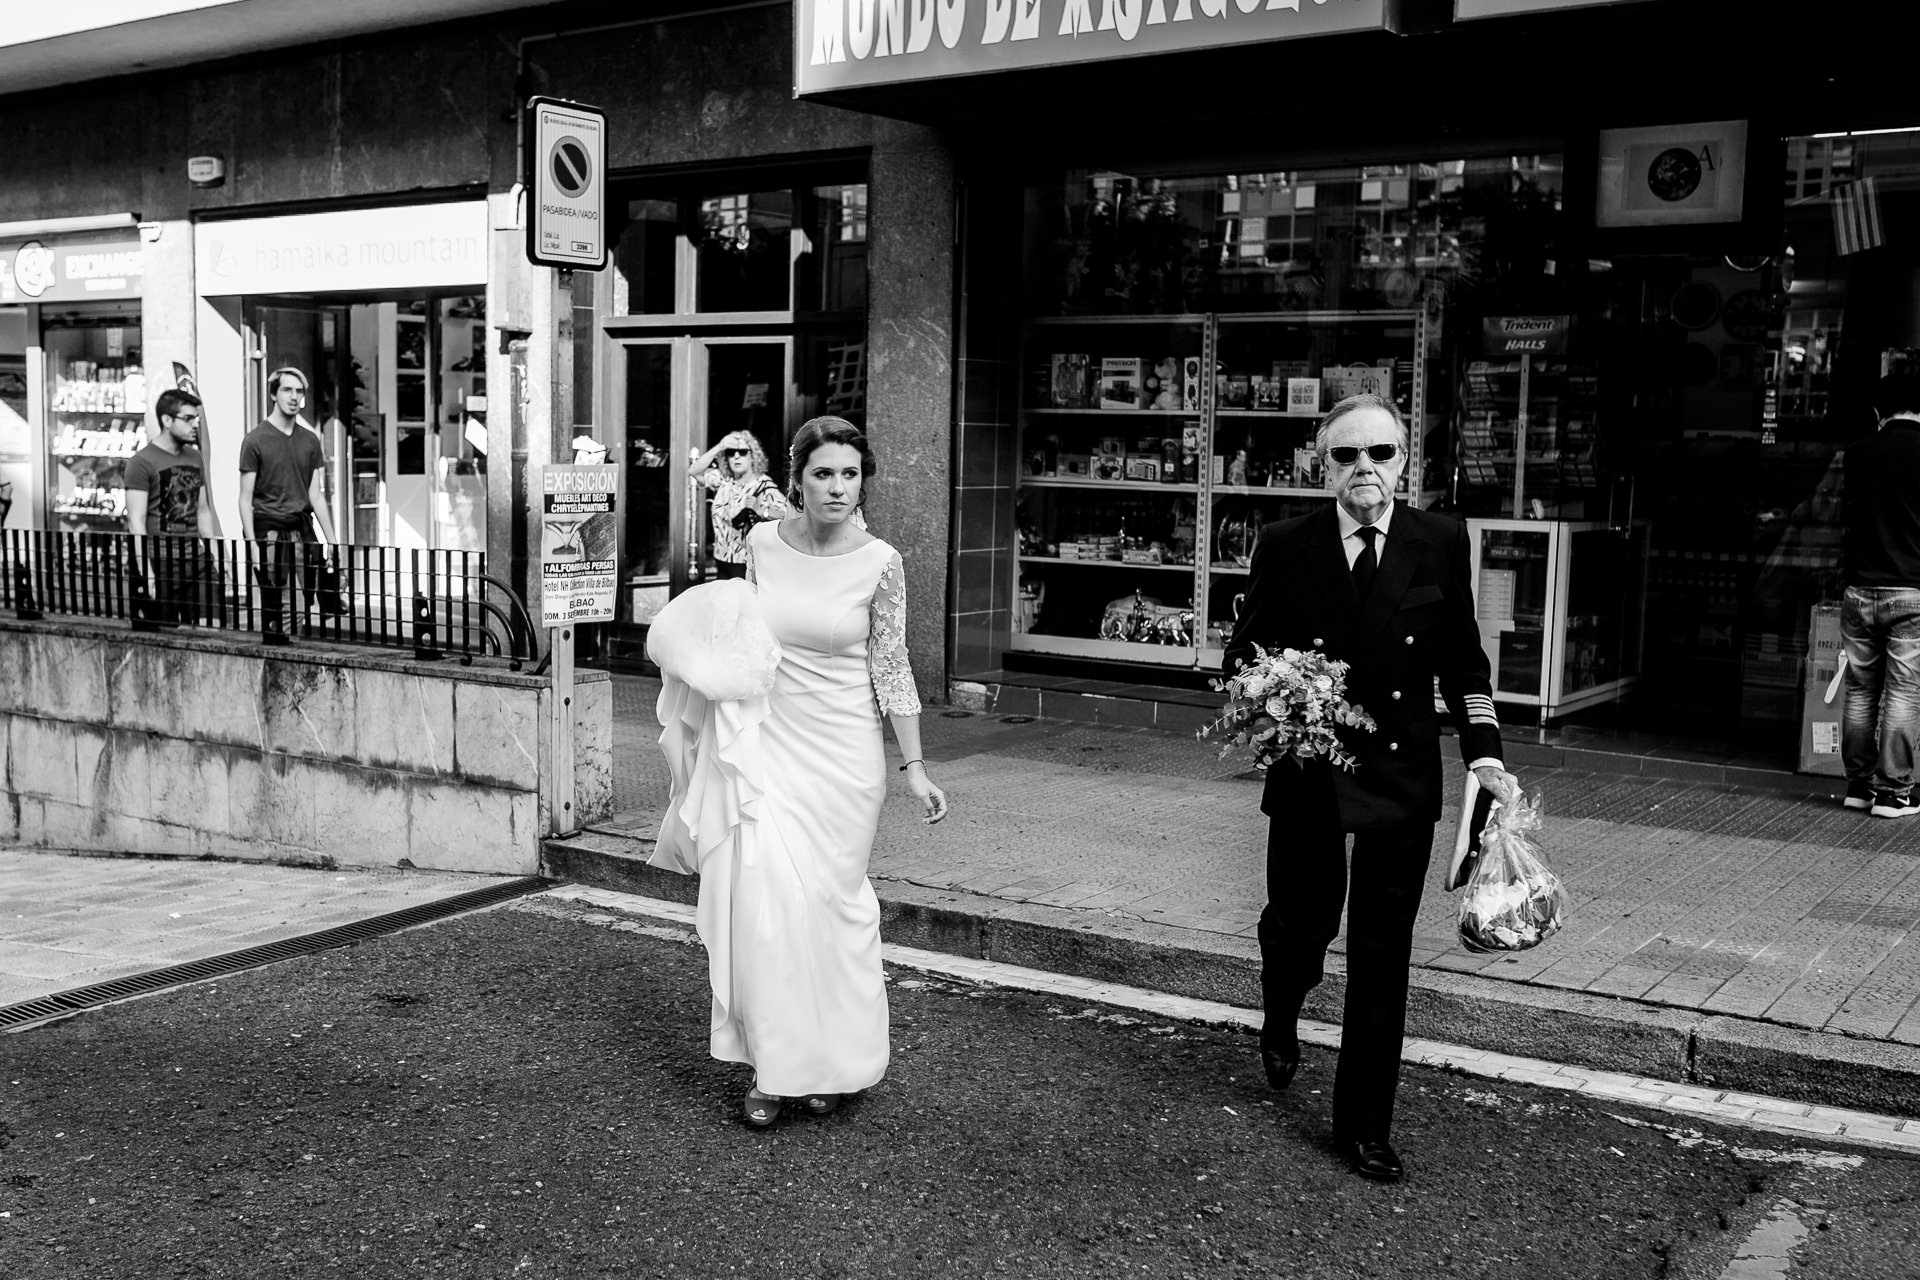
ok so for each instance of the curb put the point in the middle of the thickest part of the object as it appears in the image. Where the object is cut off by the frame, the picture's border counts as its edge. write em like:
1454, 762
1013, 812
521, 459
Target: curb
1609, 1033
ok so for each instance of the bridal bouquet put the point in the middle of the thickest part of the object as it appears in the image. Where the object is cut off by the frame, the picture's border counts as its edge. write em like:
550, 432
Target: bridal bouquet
1513, 900
1288, 704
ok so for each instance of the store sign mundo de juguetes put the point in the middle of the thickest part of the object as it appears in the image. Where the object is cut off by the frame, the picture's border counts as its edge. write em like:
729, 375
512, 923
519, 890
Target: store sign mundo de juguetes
841, 44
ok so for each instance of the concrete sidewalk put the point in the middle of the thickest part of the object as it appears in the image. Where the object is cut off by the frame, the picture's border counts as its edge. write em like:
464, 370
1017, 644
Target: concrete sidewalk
70, 921
1746, 937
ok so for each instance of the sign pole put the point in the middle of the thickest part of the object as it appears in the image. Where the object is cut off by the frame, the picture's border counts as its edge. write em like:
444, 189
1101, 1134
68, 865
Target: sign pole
565, 153
1520, 440
560, 817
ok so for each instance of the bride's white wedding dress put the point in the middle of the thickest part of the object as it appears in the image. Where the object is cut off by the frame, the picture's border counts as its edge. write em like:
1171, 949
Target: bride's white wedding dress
770, 706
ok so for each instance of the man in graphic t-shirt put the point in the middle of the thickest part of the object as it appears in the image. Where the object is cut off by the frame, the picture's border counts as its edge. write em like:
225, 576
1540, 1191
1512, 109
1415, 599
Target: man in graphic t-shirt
281, 493
168, 511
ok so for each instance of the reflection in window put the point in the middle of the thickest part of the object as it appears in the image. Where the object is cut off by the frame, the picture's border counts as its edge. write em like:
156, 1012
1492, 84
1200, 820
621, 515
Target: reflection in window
649, 432
830, 269
644, 256
1354, 237
745, 250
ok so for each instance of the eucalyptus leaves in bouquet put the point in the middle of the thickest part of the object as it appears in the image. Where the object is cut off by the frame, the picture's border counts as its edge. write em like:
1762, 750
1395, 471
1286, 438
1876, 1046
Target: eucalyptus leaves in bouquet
1288, 704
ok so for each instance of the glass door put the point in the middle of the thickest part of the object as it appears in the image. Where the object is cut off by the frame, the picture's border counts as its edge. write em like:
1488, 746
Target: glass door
739, 384
317, 340
414, 399
459, 435
645, 393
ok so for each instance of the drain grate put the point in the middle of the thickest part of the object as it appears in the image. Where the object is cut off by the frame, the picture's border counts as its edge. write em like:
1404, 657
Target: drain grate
100, 993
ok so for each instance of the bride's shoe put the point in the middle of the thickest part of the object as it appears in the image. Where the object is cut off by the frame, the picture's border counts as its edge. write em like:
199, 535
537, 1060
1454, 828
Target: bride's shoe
820, 1104
760, 1109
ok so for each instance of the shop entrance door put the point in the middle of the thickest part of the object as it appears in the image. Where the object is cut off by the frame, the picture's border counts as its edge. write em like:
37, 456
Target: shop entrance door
739, 384
394, 393
648, 393
312, 337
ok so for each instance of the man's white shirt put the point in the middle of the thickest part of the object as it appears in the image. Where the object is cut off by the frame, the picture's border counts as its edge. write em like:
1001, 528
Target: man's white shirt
1479, 705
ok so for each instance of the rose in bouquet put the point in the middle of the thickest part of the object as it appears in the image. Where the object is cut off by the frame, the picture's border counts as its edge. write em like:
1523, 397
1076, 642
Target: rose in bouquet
1513, 900
1288, 704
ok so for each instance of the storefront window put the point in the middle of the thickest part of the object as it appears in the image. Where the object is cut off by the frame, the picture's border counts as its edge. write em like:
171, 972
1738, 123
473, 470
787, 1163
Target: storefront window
1337, 238
830, 269
645, 257
97, 407
744, 246
1182, 334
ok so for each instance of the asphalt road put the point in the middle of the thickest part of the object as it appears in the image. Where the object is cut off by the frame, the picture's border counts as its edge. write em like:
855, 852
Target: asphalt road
526, 1093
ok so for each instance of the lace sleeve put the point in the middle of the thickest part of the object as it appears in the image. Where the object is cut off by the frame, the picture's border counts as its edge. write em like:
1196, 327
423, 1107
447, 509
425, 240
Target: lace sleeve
893, 686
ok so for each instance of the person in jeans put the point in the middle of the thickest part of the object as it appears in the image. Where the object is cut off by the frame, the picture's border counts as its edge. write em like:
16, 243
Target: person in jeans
1880, 613
168, 512
281, 493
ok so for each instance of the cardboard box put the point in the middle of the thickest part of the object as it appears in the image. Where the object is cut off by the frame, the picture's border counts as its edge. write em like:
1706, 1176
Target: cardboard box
1076, 464
1820, 719
1190, 384
1357, 379
1303, 396
1070, 380
1121, 380
1306, 469
1143, 466
1162, 381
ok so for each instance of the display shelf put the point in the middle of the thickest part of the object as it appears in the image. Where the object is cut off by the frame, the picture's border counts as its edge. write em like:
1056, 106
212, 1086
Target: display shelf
1166, 655
1051, 411
1260, 490
96, 406
1103, 564
1180, 321
1118, 486
1231, 376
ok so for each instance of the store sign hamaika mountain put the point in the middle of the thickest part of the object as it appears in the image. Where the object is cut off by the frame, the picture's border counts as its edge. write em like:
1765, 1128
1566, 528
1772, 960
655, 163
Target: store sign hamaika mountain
841, 44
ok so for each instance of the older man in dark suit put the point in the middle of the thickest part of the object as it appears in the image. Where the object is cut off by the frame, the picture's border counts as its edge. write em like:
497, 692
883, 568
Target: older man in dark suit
1384, 587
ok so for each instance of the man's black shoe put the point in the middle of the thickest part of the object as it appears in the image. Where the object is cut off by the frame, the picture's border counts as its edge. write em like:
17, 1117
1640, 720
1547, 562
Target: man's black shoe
1376, 1160
1280, 1067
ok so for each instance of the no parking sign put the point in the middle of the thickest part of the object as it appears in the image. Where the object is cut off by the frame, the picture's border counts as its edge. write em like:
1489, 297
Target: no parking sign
566, 161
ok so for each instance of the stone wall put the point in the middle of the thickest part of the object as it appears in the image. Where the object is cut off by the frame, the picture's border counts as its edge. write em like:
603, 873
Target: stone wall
193, 745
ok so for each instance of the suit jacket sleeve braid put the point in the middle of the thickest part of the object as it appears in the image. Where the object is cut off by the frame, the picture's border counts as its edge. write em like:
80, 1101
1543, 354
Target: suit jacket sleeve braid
1466, 678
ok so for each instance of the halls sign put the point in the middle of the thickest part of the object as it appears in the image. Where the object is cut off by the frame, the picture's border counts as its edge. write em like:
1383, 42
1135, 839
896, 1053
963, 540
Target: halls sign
842, 44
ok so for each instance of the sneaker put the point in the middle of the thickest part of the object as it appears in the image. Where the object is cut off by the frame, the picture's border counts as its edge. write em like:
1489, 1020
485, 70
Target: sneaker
1888, 805
1859, 796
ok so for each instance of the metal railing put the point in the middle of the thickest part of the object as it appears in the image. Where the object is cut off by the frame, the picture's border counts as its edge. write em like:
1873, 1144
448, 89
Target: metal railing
438, 603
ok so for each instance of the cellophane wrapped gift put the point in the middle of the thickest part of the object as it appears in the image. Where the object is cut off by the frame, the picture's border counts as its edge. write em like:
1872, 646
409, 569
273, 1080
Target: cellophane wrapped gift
1513, 900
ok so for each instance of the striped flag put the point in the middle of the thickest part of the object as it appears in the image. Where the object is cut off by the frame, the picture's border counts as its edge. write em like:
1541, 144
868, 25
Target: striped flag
1856, 216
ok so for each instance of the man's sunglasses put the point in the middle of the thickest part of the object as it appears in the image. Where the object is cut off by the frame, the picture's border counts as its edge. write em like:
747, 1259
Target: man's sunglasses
1348, 454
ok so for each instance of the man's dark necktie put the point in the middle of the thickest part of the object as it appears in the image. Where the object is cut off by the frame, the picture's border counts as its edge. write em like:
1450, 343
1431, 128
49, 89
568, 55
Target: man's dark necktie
1366, 562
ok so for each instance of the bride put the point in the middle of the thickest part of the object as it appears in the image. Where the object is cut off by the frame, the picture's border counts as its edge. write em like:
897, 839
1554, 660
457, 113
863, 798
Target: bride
771, 701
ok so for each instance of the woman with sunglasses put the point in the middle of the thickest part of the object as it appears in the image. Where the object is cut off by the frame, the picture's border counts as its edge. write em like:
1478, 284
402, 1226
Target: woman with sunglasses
735, 472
